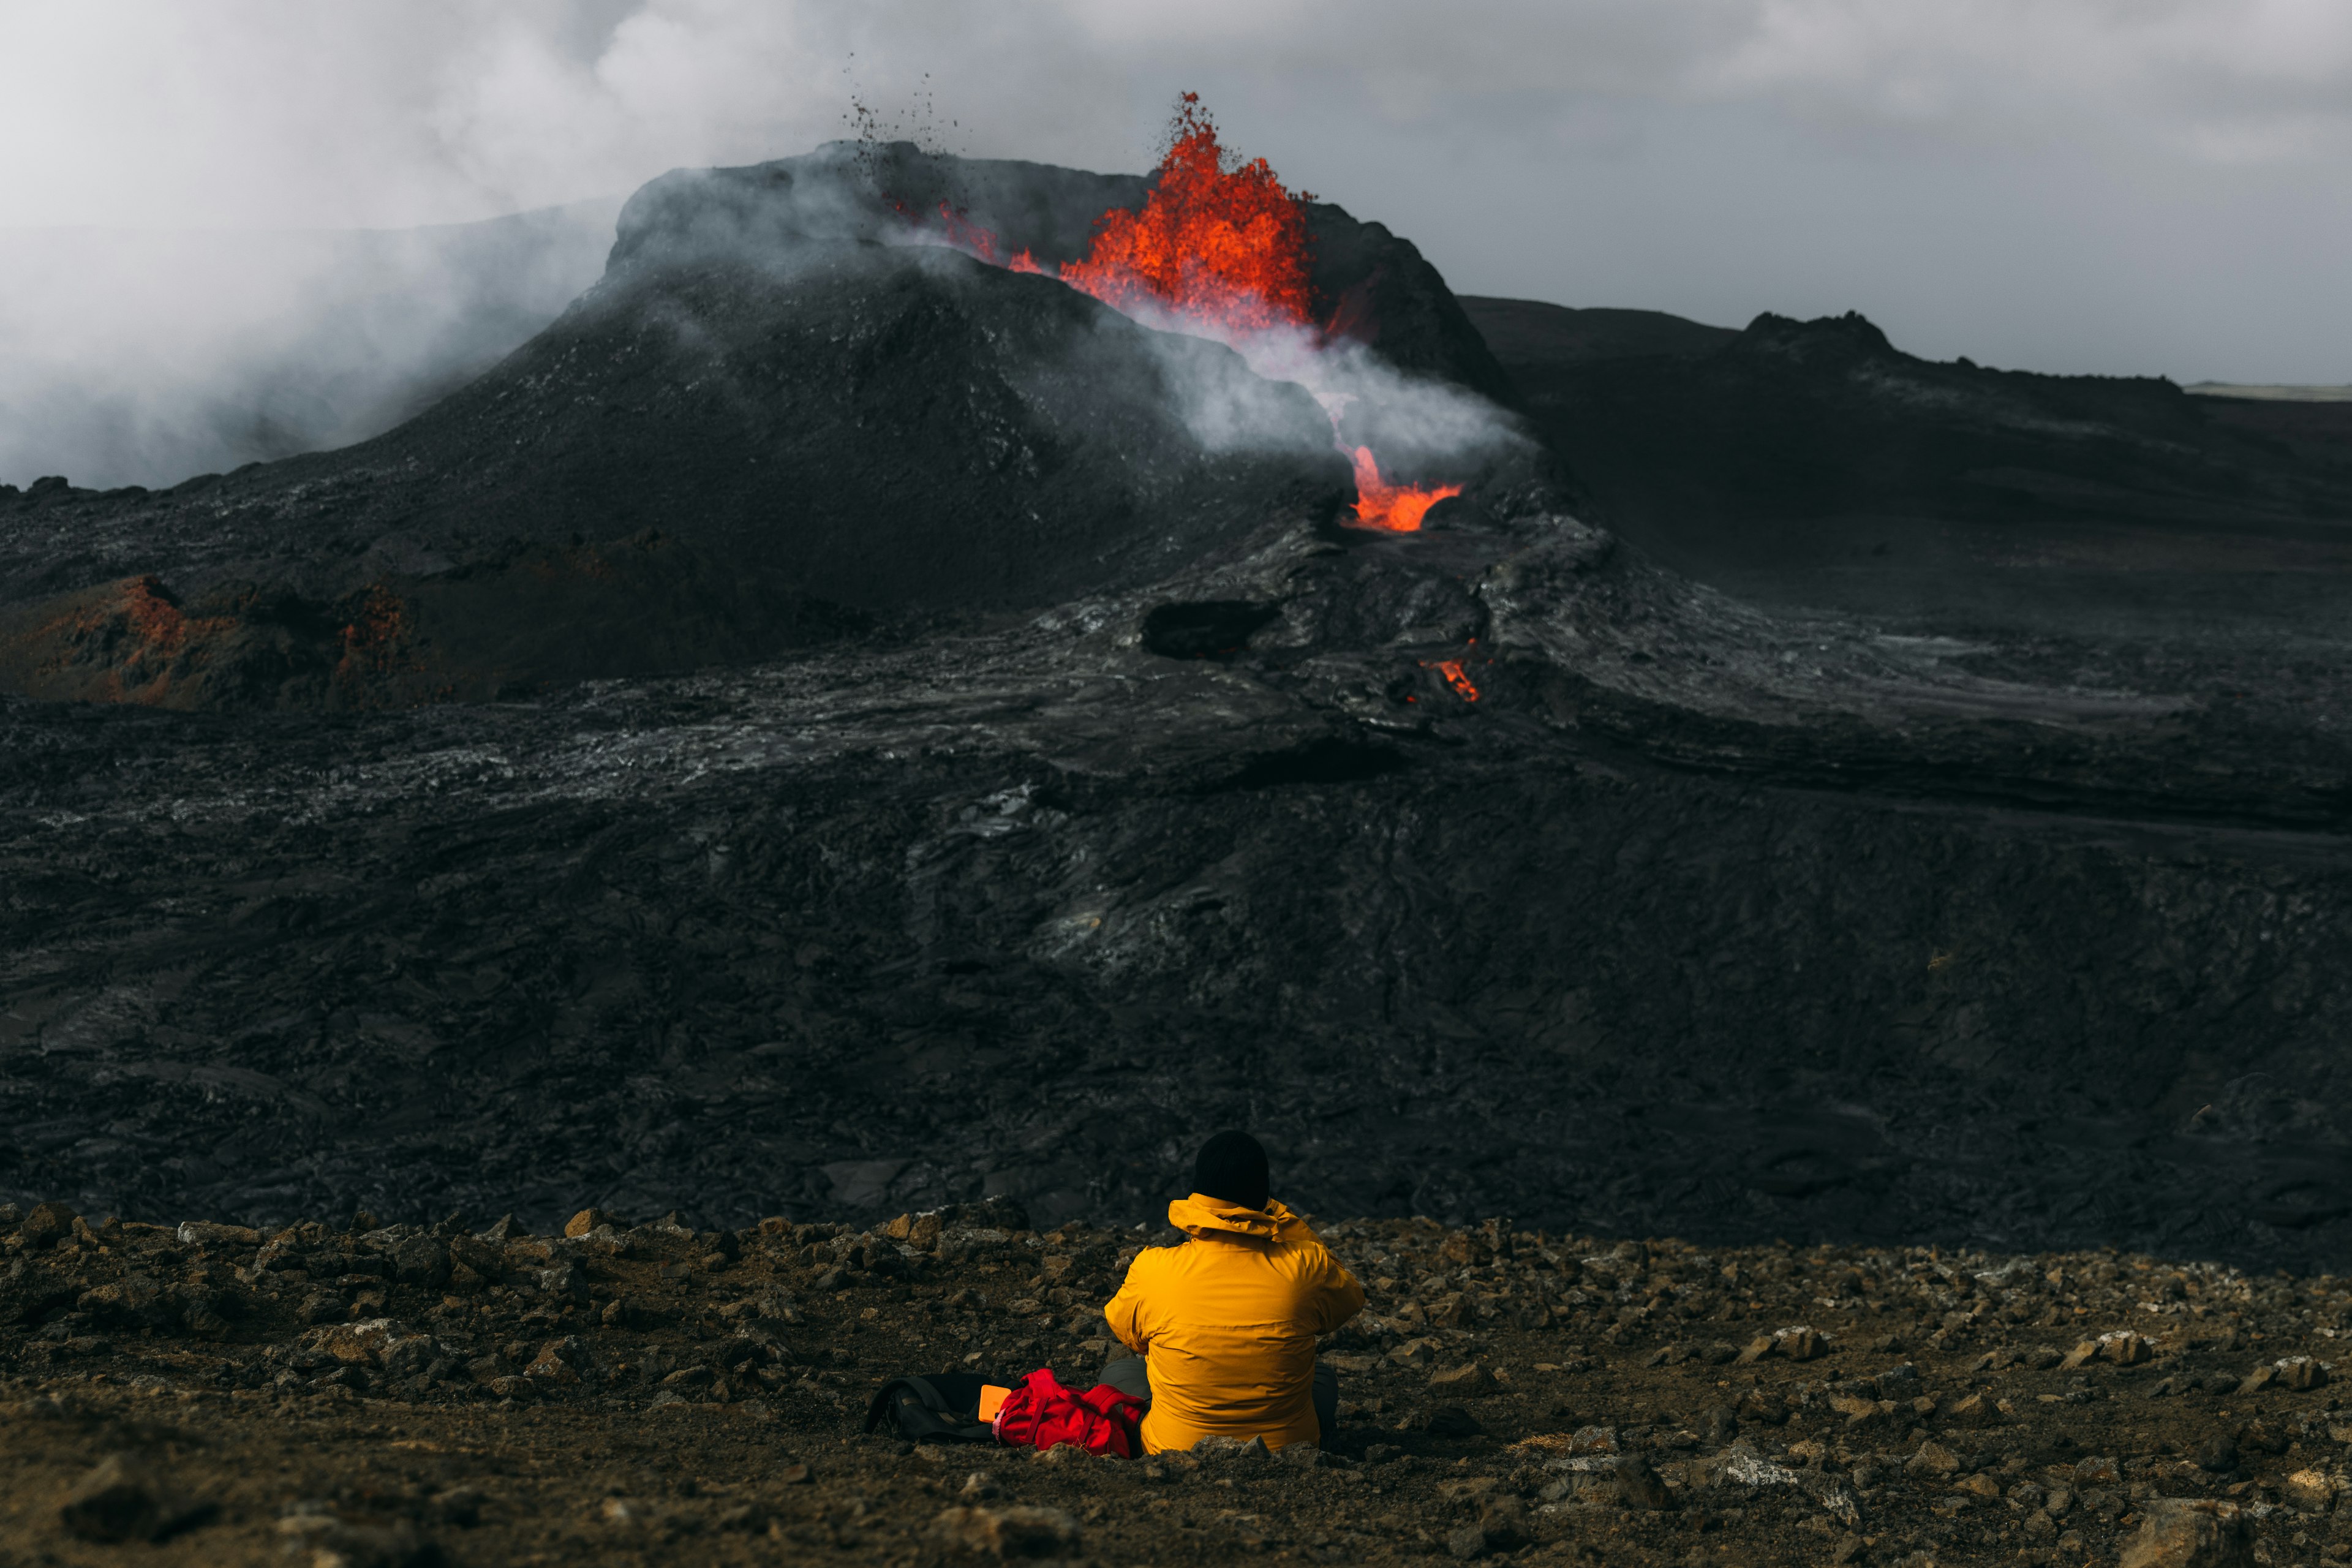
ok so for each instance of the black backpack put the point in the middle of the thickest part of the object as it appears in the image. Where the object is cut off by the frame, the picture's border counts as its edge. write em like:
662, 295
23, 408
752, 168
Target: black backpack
943, 1408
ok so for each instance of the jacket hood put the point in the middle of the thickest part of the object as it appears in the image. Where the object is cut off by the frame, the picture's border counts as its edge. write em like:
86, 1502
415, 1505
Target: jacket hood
1203, 1216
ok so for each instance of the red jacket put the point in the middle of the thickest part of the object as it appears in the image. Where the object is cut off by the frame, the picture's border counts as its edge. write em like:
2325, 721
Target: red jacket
1041, 1414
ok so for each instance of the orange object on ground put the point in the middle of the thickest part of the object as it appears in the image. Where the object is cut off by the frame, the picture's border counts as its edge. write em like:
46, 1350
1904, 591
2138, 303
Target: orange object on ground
1227, 1323
992, 1400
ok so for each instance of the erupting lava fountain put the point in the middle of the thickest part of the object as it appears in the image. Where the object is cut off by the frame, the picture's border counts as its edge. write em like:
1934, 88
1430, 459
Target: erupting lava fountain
1220, 250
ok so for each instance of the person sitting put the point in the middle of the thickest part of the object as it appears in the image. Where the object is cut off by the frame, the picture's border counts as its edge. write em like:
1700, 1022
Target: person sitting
1224, 1327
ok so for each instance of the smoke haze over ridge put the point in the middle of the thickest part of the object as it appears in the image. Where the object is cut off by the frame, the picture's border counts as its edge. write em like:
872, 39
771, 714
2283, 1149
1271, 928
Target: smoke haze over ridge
2071, 185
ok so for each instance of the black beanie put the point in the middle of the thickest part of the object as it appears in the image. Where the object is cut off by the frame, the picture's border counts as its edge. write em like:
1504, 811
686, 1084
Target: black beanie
1232, 1166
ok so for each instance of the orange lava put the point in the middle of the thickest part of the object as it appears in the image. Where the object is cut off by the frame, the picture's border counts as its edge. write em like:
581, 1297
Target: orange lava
1218, 247
1224, 247
1397, 508
1452, 669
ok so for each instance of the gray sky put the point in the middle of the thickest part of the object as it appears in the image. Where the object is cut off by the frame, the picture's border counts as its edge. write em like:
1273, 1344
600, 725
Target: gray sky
2112, 185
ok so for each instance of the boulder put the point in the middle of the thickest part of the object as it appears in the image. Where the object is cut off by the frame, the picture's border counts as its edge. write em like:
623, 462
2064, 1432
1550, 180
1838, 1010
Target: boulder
1019, 1531
126, 1497
2191, 1533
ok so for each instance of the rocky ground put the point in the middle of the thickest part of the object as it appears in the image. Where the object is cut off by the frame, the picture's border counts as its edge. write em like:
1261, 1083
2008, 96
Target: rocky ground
356, 1395
1694, 921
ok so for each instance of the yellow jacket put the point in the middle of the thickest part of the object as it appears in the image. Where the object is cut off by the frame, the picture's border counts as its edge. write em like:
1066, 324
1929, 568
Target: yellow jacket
1226, 1323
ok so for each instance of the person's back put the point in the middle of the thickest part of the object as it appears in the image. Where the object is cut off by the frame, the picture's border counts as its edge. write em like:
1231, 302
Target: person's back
1227, 1323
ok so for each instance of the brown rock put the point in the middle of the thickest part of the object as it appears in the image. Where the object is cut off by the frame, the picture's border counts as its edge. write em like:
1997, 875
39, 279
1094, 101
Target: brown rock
337, 1543
1593, 1440
1451, 1421
2310, 1490
2081, 1356
1468, 1378
125, 1498
207, 1233
2264, 1438
1933, 1459
2300, 1373
919, 1231
1006, 1532
486, 1259
558, 1362
1800, 1344
2126, 1349
1505, 1520
2191, 1533
46, 1224
357, 1344
1640, 1485
2098, 1471
1979, 1486
1466, 1543
1858, 1410
1969, 1410
1758, 1349
587, 1220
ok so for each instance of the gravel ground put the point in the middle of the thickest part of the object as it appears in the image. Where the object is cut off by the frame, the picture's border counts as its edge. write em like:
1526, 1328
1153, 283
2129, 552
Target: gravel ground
627, 1394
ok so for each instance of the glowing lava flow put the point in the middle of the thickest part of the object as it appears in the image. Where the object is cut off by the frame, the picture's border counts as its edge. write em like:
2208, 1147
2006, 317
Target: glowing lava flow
1397, 508
1222, 250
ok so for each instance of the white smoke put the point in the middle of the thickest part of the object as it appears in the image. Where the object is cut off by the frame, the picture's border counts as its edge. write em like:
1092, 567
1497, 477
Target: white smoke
1419, 425
142, 358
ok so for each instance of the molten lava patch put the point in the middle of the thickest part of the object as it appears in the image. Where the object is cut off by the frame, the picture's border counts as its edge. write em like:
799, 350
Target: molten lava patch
1397, 508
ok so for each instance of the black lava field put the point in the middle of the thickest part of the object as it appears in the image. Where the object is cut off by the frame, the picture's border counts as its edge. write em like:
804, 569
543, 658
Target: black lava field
818, 731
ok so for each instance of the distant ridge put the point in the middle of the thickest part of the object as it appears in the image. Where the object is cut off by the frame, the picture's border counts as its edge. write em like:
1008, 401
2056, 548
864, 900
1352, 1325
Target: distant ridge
1532, 332
2265, 393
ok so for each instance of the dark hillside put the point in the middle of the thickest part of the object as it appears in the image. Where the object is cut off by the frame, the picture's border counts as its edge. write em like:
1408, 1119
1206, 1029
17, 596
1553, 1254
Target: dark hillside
1814, 462
1530, 333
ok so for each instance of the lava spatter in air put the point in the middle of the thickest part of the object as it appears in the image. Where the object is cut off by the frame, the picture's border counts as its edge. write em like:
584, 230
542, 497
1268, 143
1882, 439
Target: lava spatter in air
972, 239
1221, 248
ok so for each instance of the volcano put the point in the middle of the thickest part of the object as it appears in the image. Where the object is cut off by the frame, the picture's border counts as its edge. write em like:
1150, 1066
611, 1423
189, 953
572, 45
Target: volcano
841, 723
778, 413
